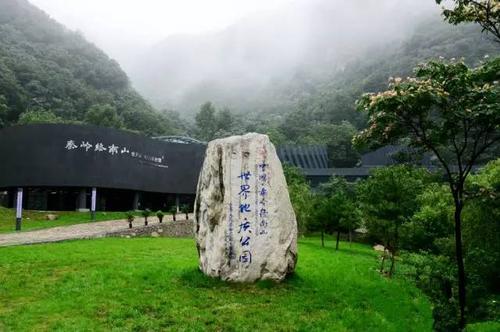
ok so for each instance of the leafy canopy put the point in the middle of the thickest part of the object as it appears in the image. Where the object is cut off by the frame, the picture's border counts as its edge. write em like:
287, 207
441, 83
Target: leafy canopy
484, 12
448, 108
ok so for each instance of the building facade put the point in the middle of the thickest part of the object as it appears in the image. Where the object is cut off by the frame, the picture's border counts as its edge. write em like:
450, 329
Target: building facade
57, 166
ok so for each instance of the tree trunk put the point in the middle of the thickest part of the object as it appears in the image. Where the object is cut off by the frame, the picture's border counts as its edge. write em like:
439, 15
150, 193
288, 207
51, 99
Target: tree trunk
460, 261
338, 238
350, 237
391, 270
322, 239
383, 261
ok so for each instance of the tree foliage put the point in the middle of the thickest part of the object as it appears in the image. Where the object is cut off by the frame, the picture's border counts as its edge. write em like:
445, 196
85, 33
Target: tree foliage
389, 201
39, 116
450, 110
486, 13
104, 115
45, 67
300, 196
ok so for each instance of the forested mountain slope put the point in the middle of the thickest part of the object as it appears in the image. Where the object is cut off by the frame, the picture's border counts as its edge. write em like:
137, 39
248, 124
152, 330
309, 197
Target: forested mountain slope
297, 71
332, 99
47, 70
240, 66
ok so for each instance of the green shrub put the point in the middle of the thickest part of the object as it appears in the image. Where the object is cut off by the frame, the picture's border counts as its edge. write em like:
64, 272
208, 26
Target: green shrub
160, 216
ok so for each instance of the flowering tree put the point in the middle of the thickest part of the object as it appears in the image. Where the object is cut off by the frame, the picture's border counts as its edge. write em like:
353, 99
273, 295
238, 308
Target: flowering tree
447, 109
484, 12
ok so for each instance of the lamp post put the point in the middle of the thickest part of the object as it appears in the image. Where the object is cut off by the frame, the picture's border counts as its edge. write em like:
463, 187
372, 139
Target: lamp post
93, 202
19, 208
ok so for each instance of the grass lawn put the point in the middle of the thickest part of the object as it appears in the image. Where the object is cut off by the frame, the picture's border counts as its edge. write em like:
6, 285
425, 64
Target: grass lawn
36, 219
153, 284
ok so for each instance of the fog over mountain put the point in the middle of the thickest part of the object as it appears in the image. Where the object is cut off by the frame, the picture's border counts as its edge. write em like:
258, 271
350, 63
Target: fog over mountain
309, 39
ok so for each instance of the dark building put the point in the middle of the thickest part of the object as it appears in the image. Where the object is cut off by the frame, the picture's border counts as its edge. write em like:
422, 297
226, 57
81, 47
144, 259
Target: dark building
313, 161
58, 165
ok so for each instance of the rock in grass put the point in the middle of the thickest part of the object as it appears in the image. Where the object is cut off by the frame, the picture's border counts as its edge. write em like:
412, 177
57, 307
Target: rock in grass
245, 227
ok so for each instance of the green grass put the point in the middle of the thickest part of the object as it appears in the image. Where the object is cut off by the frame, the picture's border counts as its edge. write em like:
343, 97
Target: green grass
36, 219
484, 327
147, 284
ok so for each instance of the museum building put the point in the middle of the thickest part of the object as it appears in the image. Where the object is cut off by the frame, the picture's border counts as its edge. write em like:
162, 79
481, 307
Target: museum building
60, 167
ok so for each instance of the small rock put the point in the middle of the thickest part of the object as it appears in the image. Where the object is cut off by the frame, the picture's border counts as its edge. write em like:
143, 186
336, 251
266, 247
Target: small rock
155, 234
160, 230
128, 236
379, 247
51, 217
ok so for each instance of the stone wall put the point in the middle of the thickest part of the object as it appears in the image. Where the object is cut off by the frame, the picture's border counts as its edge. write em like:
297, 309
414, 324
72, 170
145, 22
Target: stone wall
183, 228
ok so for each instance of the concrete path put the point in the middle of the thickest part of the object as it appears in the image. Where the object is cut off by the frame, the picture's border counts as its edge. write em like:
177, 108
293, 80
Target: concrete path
78, 231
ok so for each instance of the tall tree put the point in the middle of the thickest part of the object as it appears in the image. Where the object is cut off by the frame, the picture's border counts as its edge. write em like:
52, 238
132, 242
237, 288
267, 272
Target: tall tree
206, 121
450, 110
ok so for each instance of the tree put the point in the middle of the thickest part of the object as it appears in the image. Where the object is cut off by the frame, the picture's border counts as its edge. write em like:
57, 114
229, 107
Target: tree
447, 109
324, 217
300, 196
104, 115
224, 120
482, 241
206, 122
39, 116
486, 13
342, 196
3, 111
388, 200
432, 221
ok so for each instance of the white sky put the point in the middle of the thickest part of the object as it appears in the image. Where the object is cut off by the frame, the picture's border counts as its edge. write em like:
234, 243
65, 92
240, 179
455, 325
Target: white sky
118, 25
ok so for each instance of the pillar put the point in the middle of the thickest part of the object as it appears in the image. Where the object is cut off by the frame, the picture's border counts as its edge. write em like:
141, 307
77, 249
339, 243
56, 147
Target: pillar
135, 204
93, 202
82, 201
177, 203
19, 208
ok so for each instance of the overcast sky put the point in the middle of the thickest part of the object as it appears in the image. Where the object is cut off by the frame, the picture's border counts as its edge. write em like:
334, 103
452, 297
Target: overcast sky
116, 26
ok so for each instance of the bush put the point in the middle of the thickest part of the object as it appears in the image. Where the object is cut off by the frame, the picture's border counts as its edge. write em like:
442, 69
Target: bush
186, 209
146, 213
160, 216
130, 218
173, 211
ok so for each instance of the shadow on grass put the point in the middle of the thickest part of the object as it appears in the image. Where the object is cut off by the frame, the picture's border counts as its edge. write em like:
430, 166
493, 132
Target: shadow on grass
196, 279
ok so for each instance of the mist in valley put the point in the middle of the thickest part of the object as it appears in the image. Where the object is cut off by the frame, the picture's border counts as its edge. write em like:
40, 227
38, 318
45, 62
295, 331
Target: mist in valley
247, 64
244, 65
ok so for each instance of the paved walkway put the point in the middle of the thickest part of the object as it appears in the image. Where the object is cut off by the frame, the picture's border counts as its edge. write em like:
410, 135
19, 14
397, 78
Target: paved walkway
78, 231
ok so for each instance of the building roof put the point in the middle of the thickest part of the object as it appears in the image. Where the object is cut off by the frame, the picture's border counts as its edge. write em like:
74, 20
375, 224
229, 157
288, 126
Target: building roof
305, 157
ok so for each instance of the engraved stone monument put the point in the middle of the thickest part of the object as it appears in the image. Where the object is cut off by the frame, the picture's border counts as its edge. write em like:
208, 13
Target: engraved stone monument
245, 227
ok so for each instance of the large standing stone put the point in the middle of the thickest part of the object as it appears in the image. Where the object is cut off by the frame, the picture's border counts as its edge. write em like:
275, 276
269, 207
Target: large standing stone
245, 226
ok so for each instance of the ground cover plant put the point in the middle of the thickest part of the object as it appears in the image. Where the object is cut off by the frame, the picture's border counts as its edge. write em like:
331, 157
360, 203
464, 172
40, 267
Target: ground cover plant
154, 284
33, 220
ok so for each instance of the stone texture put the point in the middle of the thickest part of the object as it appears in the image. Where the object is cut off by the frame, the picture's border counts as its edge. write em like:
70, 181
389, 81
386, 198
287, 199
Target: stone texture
51, 217
245, 227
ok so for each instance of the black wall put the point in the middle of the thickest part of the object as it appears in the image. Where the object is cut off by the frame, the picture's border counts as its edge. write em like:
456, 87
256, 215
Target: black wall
39, 155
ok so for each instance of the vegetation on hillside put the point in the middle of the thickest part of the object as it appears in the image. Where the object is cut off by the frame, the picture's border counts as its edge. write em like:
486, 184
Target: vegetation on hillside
326, 114
410, 212
51, 74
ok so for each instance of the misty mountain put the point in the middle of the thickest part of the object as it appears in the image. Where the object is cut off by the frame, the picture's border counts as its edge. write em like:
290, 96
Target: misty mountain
47, 69
242, 65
